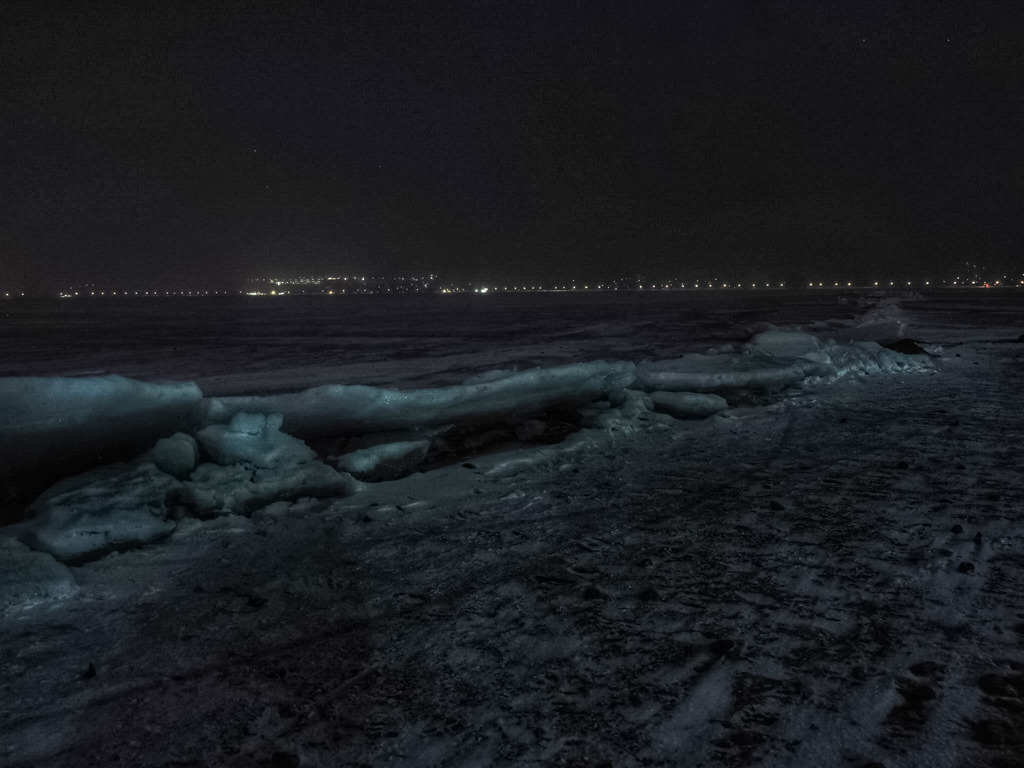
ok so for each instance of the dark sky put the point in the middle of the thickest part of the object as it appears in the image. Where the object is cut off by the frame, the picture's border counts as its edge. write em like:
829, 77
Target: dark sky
151, 142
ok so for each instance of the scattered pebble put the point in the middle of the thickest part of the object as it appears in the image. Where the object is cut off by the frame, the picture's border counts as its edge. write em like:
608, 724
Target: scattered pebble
991, 732
927, 668
284, 760
721, 647
917, 692
997, 685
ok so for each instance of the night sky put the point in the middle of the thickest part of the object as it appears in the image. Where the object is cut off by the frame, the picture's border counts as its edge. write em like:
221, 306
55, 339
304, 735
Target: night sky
152, 143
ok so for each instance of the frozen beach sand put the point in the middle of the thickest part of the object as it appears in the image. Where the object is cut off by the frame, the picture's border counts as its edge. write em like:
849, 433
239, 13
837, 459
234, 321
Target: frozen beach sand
832, 579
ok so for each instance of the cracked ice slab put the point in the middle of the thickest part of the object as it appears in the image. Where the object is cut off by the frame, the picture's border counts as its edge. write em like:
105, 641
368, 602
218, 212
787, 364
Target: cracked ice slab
71, 418
340, 409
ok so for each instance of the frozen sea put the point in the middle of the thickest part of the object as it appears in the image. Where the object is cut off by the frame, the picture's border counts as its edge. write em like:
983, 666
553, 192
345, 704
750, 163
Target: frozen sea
262, 344
827, 573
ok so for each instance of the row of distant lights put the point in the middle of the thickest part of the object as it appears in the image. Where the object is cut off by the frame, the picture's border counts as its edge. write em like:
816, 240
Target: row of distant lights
712, 286
655, 287
73, 294
567, 287
652, 287
317, 280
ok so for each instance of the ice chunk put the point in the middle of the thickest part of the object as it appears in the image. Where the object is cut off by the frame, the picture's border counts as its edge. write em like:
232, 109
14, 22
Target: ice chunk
385, 461
723, 373
882, 324
786, 343
254, 438
866, 357
176, 455
67, 420
624, 415
530, 429
223, 490
255, 423
28, 577
341, 409
688, 405
113, 507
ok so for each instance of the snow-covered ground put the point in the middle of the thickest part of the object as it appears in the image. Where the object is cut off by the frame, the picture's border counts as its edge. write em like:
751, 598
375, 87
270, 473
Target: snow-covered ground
826, 570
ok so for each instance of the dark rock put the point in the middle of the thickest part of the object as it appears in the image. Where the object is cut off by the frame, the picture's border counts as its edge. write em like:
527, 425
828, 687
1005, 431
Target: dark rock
256, 601
776, 506
903, 465
468, 465
965, 567
593, 593
90, 672
958, 528
650, 595
977, 538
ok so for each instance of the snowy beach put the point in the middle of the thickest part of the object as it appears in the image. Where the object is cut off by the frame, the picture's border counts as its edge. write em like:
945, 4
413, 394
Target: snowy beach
598, 564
